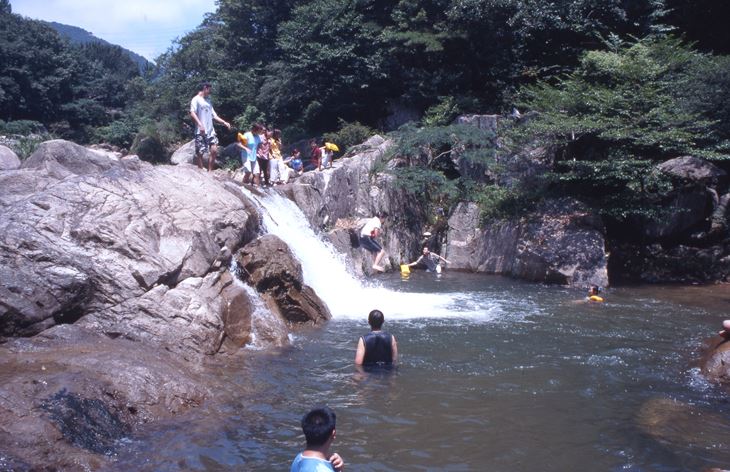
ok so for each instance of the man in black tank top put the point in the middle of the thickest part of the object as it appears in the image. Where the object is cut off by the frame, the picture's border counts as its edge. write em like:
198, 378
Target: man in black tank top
377, 347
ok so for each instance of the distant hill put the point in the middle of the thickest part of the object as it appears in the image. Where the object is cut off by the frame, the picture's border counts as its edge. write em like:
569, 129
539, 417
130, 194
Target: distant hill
80, 36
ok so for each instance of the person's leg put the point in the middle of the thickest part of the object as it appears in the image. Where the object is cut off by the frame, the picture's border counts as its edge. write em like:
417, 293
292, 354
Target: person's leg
274, 170
211, 158
256, 171
199, 141
378, 258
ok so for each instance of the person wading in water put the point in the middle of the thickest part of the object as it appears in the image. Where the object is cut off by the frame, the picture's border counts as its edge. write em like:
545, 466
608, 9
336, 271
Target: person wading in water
377, 347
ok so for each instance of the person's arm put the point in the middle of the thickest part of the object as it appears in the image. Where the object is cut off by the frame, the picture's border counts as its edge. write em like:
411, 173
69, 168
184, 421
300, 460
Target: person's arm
443, 259
394, 345
197, 121
221, 120
337, 463
360, 353
416, 262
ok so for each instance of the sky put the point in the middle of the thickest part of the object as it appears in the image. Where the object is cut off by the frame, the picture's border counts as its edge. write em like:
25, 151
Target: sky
147, 27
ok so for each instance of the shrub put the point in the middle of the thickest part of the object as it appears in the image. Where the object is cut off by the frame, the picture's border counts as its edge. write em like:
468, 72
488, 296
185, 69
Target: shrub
349, 135
22, 127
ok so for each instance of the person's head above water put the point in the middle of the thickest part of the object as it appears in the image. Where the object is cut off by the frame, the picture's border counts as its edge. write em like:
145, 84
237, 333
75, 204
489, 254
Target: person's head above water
593, 290
318, 426
376, 319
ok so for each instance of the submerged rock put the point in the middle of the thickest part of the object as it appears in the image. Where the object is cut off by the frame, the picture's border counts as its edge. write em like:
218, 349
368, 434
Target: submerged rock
682, 425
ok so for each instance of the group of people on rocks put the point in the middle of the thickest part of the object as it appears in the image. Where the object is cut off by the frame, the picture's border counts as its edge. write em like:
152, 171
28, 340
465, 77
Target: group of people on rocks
377, 349
260, 148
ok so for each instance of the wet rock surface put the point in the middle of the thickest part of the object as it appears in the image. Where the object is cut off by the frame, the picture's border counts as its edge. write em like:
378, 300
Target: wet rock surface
271, 268
715, 362
68, 395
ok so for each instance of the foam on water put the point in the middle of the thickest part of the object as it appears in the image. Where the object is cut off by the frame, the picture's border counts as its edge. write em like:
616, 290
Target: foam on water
346, 296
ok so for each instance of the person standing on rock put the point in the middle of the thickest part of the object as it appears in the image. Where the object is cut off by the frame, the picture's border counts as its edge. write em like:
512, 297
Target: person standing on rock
377, 347
249, 156
368, 233
203, 114
319, 431
430, 259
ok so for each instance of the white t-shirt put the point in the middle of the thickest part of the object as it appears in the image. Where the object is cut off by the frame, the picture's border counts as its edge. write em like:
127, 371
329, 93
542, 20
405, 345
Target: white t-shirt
203, 109
370, 225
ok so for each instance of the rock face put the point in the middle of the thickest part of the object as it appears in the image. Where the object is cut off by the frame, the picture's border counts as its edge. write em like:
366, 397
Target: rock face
689, 241
349, 191
560, 243
8, 159
272, 269
122, 245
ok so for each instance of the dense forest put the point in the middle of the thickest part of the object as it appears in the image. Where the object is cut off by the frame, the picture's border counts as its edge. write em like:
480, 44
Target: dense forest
617, 84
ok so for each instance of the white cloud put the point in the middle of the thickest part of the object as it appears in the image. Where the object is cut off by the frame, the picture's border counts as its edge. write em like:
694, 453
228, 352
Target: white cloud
143, 26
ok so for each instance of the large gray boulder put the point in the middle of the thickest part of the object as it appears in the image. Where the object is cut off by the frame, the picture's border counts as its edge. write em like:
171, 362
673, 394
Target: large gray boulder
129, 248
693, 169
63, 158
561, 242
185, 154
8, 159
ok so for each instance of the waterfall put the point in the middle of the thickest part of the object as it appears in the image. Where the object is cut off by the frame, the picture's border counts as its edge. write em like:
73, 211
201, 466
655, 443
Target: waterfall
346, 296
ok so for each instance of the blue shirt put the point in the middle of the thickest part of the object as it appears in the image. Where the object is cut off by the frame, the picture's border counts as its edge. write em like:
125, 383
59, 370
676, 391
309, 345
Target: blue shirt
252, 144
310, 464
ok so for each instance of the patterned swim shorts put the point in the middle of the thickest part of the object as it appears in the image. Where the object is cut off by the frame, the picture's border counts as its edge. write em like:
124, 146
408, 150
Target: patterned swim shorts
203, 143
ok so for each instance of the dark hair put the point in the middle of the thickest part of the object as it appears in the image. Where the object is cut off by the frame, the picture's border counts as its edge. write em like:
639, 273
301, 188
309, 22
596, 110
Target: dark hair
257, 126
376, 319
204, 85
318, 425
277, 134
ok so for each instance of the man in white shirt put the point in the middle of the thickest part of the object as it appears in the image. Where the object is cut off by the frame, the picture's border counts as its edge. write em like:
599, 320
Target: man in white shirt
368, 233
203, 114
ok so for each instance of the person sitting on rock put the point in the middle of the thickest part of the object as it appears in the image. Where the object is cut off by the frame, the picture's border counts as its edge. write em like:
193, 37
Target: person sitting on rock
295, 161
368, 233
725, 332
430, 259
377, 347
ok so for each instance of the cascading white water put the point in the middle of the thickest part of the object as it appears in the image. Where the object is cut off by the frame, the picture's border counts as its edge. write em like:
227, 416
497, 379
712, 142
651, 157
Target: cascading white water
345, 295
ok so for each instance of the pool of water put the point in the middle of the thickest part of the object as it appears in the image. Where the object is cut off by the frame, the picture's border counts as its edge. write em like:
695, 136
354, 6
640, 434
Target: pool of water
501, 376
